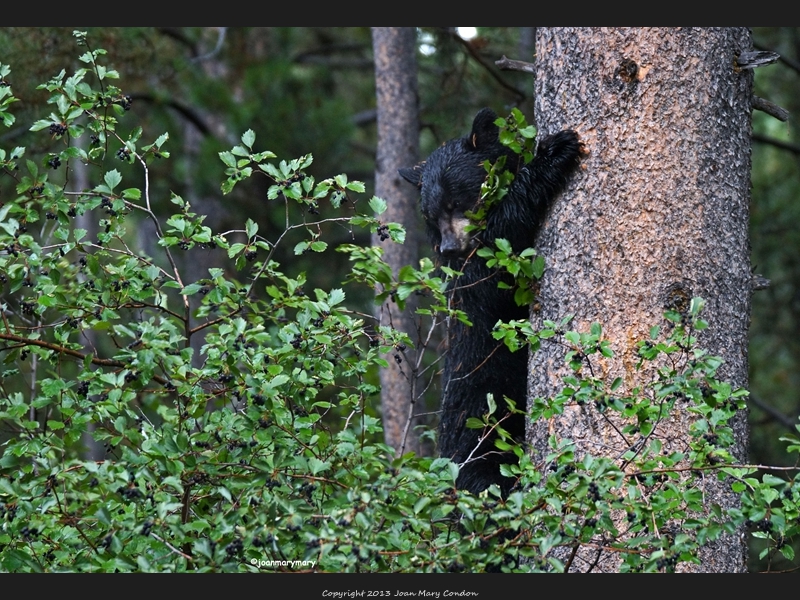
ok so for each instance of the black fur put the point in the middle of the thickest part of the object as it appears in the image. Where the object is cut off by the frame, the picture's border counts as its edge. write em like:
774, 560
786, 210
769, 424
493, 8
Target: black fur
476, 364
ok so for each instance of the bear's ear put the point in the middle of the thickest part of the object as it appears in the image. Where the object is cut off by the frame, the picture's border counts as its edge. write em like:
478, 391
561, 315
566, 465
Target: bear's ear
484, 131
413, 174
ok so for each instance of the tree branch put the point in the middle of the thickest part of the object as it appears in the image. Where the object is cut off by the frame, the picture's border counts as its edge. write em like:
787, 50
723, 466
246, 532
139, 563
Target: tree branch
186, 112
96, 360
794, 148
507, 64
770, 108
473, 52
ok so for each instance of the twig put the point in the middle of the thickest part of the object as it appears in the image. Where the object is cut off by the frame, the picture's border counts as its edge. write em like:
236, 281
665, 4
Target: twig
794, 148
106, 362
507, 64
770, 108
171, 547
486, 65
774, 413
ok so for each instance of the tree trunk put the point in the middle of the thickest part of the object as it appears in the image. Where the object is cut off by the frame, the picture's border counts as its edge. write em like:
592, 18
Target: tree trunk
398, 146
658, 215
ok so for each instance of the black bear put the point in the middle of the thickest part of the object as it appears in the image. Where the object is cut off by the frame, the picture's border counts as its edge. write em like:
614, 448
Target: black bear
476, 364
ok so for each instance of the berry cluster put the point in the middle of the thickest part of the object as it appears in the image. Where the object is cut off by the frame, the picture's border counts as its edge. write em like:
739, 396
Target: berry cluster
106, 203
147, 527
129, 493
234, 548
594, 492
260, 543
667, 563
58, 129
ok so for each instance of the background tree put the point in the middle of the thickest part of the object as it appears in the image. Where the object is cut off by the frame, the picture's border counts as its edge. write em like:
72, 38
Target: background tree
395, 51
658, 217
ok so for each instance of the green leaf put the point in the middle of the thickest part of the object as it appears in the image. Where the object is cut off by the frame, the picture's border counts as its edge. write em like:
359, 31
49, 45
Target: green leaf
335, 297
317, 466
112, 179
228, 158
248, 138
235, 249
190, 289
420, 504
503, 245
355, 186
378, 205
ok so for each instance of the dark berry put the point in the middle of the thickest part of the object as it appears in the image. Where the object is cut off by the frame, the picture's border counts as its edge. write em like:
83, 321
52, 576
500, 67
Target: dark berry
58, 129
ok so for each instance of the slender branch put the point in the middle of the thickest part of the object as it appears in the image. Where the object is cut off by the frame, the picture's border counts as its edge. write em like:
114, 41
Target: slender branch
789, 62
171, 547
794, 148
712, 468
770, 108
96, 360
507, 64
213, 322
778, 416
221, 31
473, 52
185, 111
177, 34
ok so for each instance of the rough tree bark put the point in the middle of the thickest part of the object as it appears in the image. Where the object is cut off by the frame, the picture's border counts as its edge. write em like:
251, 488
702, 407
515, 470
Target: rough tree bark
658, 215
395, 50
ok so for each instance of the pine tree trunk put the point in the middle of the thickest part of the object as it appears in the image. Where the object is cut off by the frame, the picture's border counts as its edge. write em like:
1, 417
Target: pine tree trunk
657, 215
398, 146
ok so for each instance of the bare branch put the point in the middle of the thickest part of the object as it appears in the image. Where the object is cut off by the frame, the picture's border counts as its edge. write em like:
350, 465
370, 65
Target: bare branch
473, 52
794, 148
774, 413
507, 64
770, 108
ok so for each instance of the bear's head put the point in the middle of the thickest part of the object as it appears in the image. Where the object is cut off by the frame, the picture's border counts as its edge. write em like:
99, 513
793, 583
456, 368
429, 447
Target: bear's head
450, 183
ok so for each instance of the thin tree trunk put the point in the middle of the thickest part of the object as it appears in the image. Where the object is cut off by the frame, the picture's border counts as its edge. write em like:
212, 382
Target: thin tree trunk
658, 215
398, 146
93, 450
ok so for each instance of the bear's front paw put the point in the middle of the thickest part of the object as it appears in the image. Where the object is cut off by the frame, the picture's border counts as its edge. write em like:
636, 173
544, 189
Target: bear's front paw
564, 147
